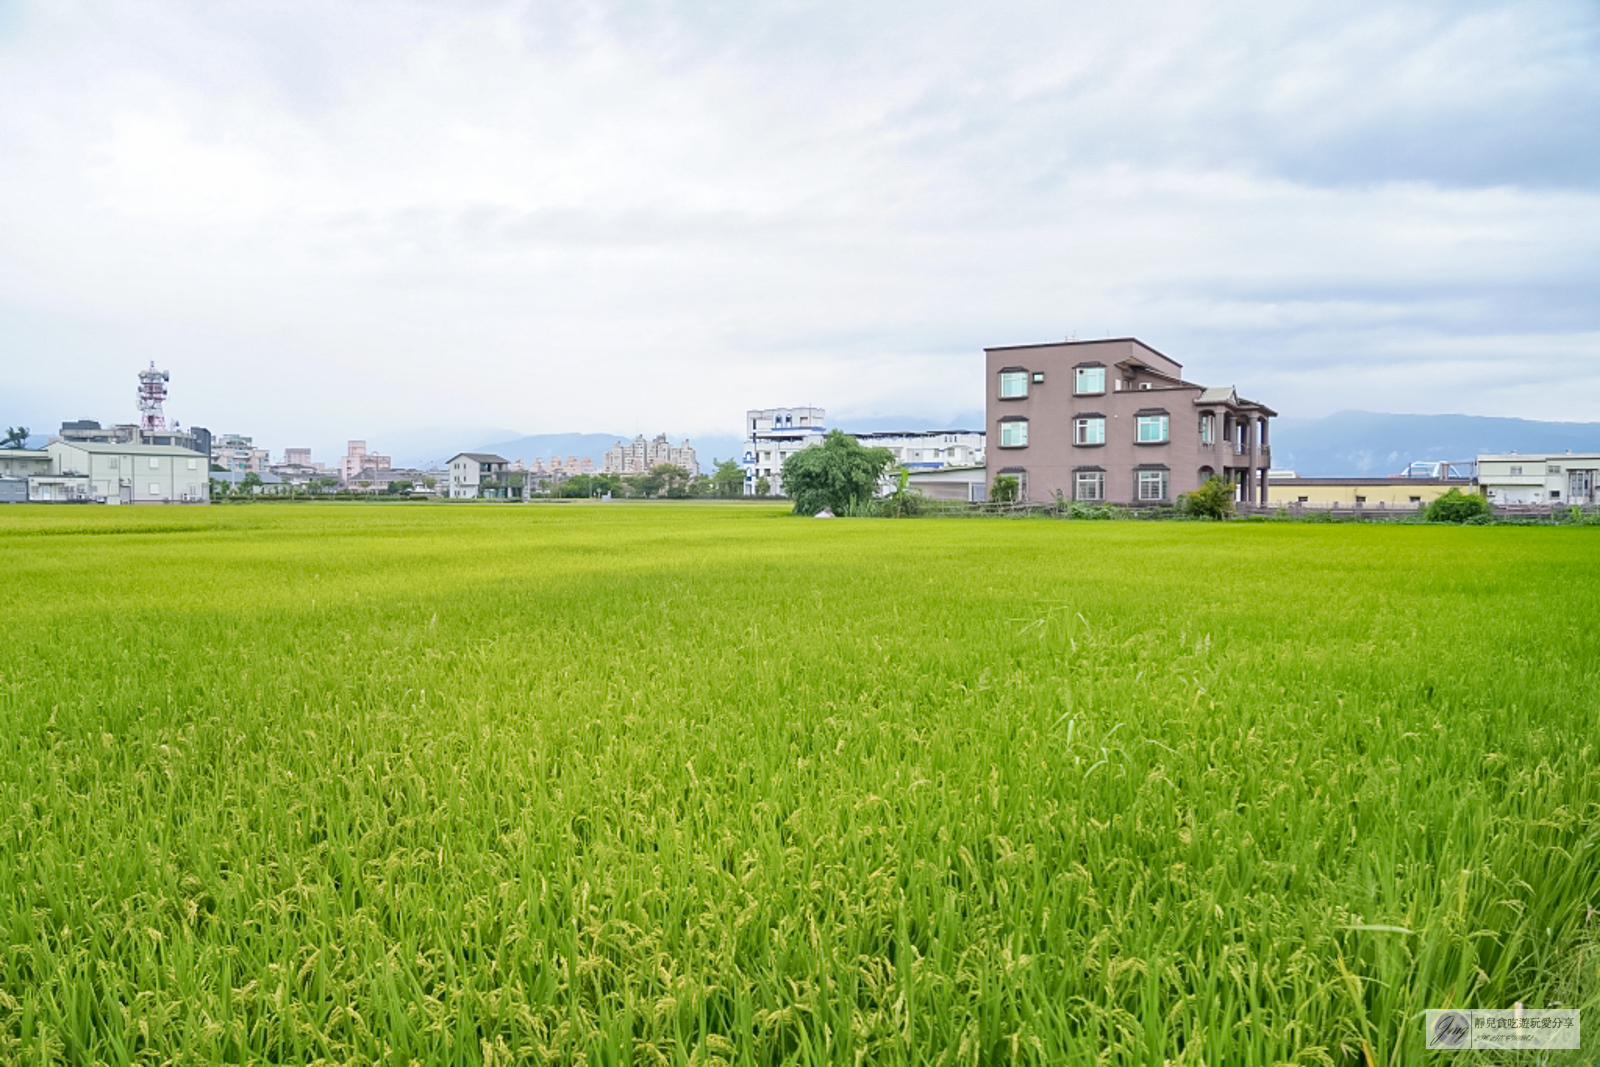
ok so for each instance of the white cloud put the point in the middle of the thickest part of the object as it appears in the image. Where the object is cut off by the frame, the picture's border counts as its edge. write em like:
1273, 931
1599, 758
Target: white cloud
345, 220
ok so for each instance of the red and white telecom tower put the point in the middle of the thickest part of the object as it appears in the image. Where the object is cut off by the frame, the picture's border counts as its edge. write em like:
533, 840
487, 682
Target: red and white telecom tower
152, 391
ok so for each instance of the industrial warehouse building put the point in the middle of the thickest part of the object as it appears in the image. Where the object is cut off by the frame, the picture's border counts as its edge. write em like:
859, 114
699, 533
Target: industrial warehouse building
123, 474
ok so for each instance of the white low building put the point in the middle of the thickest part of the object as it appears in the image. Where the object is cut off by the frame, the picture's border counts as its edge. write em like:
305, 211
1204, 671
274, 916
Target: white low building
21, 462
1540, 478
949, 483
127, 474
470, 470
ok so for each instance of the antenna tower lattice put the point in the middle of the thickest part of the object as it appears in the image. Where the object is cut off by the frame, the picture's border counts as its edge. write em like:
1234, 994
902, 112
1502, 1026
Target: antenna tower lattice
152, 391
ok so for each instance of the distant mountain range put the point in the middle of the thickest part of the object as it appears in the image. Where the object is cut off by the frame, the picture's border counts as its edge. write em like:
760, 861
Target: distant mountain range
1368, 442
1345, 443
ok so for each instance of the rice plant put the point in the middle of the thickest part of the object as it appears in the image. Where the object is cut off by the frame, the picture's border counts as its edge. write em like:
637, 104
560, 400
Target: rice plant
711, 784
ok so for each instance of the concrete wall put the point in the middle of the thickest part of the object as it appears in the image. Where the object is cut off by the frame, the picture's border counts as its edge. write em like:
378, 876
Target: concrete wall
1402, 493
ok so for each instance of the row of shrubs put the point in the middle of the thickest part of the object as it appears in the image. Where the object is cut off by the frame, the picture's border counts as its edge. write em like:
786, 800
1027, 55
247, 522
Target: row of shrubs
1212, 501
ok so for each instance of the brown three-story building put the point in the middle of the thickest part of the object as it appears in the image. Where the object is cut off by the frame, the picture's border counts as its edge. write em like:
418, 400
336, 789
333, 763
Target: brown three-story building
1114, 421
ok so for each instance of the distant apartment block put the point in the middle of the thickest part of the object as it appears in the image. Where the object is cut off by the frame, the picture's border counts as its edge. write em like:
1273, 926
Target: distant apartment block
1541, 478
237, 452
357, 459
639, 456
297, 468
1115, 421
558, 468
772, 435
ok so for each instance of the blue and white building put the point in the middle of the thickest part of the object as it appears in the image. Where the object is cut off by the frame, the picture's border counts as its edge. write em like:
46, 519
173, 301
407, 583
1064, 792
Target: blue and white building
772, 435
929, 450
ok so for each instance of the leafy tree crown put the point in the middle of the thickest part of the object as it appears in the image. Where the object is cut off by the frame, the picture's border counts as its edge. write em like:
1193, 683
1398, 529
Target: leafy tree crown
836, 474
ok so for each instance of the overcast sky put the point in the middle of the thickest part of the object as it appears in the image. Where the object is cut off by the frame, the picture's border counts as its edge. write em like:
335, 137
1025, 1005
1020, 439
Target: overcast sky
357, 219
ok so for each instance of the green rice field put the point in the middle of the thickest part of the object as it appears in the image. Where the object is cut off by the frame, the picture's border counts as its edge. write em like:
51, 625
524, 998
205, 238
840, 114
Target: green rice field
700, 784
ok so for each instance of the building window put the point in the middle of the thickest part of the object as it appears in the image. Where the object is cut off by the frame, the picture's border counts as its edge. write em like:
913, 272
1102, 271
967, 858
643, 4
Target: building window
155, 490
155, 464
1090, 485
1152, 485
1208, 429
1013, 384
1089, 430
1361, 500
1089, 380
1553, 468
1038, 377
1014, 433
1152, 429
1516, 471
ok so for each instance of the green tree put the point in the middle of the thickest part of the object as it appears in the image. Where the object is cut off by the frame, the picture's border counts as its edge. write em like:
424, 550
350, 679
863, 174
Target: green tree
250, 483
1456, 506
698, 486
903, 502
648, 484
1004, 490
1213, 500
398, 488
674, 480
763, 487
586, 485
728, 479
836, 474
16, 437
